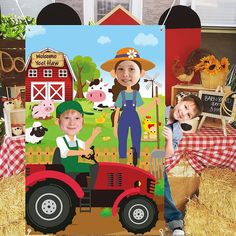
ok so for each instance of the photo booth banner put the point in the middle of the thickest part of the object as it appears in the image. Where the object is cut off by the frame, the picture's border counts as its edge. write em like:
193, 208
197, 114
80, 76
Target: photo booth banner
75, 76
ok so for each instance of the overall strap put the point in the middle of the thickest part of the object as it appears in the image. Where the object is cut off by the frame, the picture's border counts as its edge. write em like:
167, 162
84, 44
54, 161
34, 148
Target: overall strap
134, 98
123, 98
67, 144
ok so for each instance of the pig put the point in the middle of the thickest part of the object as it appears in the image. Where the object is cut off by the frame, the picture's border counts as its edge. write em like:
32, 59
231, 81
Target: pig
43, 110
99, 94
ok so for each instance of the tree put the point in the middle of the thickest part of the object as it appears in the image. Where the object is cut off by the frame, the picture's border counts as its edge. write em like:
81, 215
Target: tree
84, 69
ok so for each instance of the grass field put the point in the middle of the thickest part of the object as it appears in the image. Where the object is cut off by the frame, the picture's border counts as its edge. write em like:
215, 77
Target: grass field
89, 124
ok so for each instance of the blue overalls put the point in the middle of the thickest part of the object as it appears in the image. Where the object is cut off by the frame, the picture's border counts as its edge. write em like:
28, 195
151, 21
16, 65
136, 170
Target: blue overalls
129, 118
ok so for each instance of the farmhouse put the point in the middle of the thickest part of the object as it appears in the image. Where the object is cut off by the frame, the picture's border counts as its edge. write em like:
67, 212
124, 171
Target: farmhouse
49, 75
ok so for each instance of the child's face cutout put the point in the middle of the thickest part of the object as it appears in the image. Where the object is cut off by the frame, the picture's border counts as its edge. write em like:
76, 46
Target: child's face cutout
127, 73
71, 122
184, 110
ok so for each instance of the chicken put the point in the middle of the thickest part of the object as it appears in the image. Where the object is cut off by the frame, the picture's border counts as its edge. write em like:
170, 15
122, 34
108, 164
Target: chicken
179, 72
152, 132
185, 72
177, 68
101, 119
147, 123
185, 78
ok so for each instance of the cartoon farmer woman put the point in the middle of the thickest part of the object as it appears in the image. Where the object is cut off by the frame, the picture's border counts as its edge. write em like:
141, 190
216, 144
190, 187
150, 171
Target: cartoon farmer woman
126, 68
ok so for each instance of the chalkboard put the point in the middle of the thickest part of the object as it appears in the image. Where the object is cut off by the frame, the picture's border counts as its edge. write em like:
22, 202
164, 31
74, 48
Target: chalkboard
212, 104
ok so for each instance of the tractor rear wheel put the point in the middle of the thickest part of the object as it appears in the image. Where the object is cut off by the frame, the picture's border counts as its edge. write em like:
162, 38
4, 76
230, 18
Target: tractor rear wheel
138, 214
50, 206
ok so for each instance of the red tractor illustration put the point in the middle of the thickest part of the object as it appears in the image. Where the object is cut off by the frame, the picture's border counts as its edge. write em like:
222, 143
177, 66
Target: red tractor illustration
53, 195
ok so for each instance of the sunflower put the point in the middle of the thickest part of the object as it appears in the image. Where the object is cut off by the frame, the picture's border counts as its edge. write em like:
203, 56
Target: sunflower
212, 68
204, 62
211, 65
224, 64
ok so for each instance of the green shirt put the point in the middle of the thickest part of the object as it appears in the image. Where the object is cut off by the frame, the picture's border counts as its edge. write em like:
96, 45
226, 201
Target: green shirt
129, 96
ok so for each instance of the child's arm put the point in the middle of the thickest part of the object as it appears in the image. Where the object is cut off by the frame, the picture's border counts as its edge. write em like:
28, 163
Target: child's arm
169, 149
65, 152
89, 141
78, 152
116, 117
144, 110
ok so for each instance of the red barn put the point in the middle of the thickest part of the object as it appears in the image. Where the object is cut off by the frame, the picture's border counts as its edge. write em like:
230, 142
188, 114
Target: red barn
49, 75
119, 16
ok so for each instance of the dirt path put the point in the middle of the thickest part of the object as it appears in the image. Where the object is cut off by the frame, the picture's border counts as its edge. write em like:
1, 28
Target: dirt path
94, 225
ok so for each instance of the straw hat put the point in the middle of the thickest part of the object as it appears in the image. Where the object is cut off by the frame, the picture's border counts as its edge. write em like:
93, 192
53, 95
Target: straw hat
128, 54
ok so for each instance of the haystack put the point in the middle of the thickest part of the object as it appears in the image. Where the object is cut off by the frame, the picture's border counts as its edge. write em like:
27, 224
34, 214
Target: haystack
217, 191
200, 221
15, 229
12, 205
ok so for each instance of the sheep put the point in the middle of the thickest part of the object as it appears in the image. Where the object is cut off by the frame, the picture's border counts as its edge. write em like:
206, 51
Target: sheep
35, 133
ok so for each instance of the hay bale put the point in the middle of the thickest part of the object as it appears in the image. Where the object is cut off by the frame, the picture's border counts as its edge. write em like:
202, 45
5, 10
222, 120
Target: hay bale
15, 229
12, 205
217, 191
199, 221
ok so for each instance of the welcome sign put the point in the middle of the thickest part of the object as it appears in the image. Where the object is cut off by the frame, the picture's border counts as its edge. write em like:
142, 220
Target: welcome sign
47, 59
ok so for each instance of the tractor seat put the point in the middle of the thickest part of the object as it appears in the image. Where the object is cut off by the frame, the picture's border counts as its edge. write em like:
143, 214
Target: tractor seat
56, 157
56, 162
80, 178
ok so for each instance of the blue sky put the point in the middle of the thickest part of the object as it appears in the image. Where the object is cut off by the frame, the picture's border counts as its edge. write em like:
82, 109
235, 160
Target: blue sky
101, 43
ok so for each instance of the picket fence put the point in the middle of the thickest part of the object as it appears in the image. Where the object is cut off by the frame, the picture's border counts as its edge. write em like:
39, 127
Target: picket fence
41, 156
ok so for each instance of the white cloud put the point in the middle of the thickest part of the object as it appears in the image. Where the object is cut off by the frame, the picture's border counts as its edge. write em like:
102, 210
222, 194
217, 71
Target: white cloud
103, 40
34, 31
145, 40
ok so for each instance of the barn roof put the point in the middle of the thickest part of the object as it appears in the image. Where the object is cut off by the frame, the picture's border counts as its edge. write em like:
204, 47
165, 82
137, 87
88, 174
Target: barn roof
52, 50
119, 16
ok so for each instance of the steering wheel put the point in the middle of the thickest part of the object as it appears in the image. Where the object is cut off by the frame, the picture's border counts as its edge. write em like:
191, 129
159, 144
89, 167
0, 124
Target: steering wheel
90, 156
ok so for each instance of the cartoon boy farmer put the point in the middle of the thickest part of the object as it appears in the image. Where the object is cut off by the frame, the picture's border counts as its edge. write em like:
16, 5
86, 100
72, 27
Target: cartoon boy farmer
70, 120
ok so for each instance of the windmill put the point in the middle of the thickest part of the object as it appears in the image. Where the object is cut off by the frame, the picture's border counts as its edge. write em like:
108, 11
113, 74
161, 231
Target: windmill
151, 81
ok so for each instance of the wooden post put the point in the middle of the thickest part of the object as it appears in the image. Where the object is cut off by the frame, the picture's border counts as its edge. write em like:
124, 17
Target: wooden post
224, 126
157, 121
201, 122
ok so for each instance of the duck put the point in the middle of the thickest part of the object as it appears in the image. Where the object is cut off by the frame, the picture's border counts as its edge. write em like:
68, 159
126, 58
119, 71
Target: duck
101, 119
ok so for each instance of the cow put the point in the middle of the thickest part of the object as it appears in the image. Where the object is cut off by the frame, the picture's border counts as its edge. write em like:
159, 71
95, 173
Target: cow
16, 130
43, 110
99, 94
9, 105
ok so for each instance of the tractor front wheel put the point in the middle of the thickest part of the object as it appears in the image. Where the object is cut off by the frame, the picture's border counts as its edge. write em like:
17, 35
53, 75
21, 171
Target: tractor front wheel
138, 214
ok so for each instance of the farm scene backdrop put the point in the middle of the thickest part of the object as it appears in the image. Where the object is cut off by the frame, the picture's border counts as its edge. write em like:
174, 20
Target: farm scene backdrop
85, 49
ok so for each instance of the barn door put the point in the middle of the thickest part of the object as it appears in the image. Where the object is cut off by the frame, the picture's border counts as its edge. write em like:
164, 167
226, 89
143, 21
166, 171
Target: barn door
38, 91
56, 91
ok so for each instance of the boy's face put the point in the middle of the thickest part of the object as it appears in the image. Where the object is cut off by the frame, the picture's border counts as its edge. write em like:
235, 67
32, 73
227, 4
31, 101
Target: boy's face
184, 110
71, 122
127, 73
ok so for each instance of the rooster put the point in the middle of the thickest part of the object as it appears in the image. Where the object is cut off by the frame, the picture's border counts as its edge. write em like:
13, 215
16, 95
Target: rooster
185, 72
147, 123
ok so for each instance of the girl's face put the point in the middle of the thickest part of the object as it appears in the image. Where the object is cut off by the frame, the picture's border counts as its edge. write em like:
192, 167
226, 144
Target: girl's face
71, 122
128, 73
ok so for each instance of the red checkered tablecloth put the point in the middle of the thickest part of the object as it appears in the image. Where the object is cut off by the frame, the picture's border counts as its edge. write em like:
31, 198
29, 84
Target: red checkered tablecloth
12, 156
206, 148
